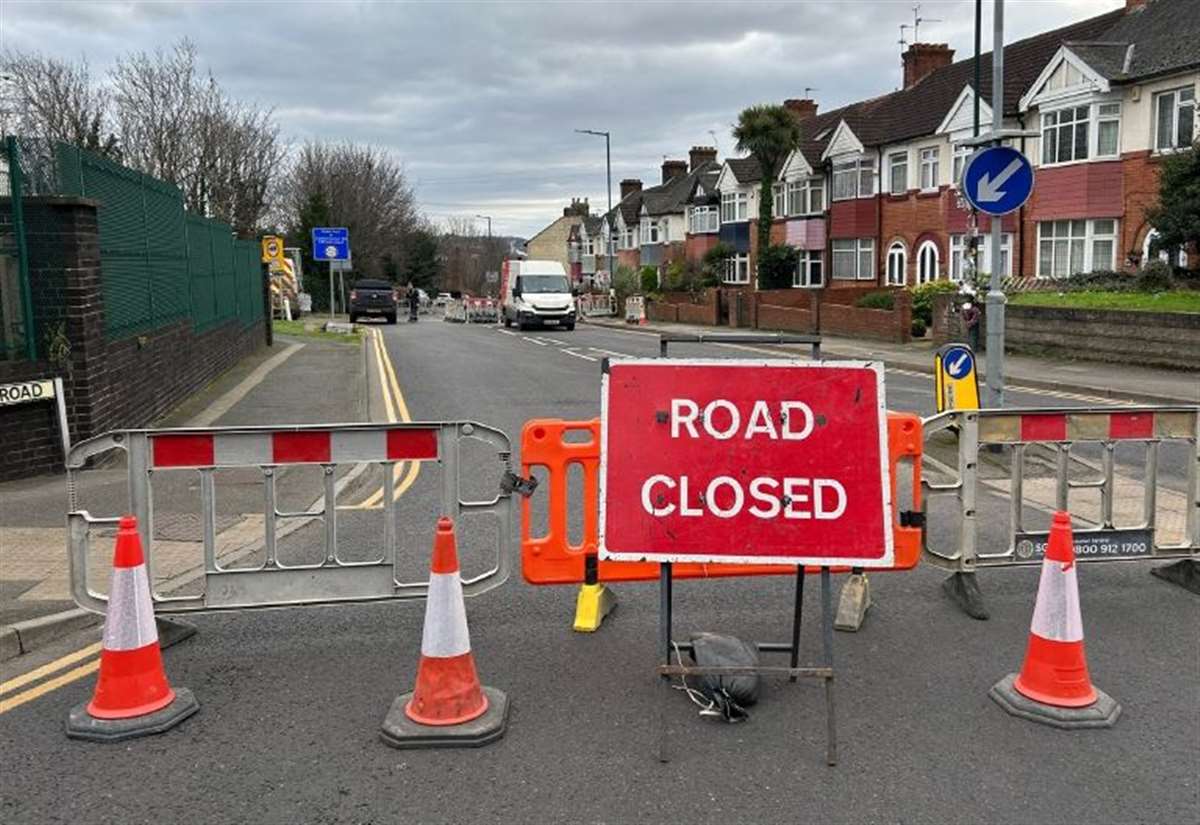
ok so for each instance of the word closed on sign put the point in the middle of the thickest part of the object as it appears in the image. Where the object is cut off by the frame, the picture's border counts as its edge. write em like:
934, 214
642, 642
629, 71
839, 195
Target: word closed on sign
745, 461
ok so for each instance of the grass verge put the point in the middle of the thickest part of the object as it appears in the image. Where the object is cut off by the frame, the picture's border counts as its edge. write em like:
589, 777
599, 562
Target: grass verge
1176, 301
315, 329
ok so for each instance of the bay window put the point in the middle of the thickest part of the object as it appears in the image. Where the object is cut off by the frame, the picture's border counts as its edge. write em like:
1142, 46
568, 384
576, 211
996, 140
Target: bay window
854, 179
805, 197
1065, 135
627, 238
733, 207
703, 219
1174, 119
1069, 247
960, 155
854, 259
809, 270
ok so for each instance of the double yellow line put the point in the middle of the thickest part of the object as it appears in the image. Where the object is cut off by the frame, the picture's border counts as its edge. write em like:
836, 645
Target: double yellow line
15, 692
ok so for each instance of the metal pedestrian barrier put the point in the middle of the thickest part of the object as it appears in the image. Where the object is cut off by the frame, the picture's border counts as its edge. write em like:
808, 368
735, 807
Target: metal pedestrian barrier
481, 311
1006, 471
456, 311
595, 306
338, 575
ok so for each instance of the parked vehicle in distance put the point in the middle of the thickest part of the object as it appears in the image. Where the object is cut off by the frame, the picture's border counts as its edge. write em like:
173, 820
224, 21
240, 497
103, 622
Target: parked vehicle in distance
442, 299
373, 297
536, 293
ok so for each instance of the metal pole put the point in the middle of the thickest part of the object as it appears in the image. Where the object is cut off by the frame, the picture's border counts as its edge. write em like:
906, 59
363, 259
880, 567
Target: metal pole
16, 184
608, 235
995, 296
332, 294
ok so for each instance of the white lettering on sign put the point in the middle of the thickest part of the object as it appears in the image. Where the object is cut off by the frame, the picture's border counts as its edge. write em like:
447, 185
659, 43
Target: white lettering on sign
26, 391
685, 411
823, 499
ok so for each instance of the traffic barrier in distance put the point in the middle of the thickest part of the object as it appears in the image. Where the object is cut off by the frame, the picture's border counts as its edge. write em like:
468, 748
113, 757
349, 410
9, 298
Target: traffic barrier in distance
1054, 686
635, 310
448, 707
132, 696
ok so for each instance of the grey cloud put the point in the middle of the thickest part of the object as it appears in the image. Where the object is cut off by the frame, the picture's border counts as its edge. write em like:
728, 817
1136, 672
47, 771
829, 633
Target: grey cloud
479, 99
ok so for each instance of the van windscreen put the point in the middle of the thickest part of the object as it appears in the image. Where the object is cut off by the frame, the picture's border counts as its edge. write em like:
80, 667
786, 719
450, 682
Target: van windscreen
533, 284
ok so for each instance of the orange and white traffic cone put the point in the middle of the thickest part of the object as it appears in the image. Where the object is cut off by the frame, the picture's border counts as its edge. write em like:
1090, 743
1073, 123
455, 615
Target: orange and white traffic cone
448, 707
1054, 686
132, 696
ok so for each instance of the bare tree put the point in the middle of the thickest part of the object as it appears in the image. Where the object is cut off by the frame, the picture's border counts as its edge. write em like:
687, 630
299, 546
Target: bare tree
365, 190
54, 100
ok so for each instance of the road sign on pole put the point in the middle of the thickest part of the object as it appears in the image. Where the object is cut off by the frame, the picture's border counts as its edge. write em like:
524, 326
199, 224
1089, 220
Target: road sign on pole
331, 243
997, 180
782, 462
956, 381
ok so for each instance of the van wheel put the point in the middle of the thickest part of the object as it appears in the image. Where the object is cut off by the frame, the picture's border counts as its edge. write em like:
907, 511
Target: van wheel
569, 327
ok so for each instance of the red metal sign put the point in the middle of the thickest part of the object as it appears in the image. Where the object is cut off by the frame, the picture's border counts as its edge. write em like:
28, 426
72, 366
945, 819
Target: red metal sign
745, 461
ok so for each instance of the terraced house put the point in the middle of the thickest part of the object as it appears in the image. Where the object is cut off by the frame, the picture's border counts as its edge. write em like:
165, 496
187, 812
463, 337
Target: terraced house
870, 197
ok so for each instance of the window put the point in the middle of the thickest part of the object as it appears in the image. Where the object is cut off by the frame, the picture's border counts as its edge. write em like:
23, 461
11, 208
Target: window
1108, 130
703, 219
1150, 249
960, 155
809, 270
627, 238
1069, 247
1174, 119
651, 231
1065, 135
960, 255
897, 264
816, 196
855, 179
854, 259
733, 207
898, 173
929, 167
779, 190
805, 197
737, 269
927, 262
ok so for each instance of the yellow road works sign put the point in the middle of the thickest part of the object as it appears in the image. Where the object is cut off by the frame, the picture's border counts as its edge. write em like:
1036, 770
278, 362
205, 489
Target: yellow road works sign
272, 248
957, 383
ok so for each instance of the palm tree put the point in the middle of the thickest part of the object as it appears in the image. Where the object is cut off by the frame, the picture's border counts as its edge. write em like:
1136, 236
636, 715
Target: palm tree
767, 133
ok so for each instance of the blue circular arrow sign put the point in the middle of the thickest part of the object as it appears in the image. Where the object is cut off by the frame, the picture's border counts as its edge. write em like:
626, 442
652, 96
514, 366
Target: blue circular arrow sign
997, 180
958, 362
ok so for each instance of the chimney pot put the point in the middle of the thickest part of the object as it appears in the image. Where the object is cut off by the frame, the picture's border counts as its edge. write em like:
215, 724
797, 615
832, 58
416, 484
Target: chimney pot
923, 58
629, 186
673, 169
700, 155
802, 109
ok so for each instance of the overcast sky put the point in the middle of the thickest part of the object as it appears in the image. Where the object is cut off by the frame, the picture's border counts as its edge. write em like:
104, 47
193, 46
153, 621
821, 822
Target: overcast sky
479, 99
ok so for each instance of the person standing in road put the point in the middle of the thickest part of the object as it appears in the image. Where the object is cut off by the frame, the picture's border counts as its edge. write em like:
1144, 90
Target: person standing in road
414, 301
970, 321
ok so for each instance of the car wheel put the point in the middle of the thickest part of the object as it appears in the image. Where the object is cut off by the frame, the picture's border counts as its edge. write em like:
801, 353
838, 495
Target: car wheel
391, 319
569, 327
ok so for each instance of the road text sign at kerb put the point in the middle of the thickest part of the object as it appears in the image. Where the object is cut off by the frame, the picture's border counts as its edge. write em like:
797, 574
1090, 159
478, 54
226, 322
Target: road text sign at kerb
997, 180
745, 461
37, 390
331, 243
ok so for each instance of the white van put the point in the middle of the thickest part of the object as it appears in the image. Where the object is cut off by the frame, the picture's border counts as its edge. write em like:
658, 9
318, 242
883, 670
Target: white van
536, 293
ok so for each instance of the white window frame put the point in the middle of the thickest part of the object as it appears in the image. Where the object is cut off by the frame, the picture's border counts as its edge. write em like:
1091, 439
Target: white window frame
734, 207
1083, 231
1177, 105
957, 265
589, 246
1113, 115
896, 268
1052, 121
860, 248
816, 195
737, 269
931, 157
779, 199
627, 238
896, 162
855, 171
958, 162
927, 251
704, 219
809, 263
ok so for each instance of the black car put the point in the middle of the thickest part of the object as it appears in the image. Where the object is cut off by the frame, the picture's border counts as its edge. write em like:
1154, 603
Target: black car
370, 297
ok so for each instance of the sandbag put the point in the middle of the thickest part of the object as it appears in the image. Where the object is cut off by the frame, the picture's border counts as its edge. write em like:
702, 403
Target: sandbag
728, 695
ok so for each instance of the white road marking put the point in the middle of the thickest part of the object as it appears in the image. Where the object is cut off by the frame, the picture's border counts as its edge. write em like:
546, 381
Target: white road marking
613, 353
579, 355
506, 332
554, 341
533, 340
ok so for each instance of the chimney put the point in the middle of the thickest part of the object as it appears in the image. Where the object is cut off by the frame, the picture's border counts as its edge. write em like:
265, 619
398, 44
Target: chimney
700, 155
673, 169
577, 207
923, 58
802, 109
1135, 5
629, 186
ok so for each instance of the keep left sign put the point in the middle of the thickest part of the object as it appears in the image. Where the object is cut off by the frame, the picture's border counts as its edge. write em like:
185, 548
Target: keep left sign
741, 461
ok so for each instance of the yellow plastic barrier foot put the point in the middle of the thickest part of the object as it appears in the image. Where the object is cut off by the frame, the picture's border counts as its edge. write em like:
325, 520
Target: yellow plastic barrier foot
594, 603
853, 603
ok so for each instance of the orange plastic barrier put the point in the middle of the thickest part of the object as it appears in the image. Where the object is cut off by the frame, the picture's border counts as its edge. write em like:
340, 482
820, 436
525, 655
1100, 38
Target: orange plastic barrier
552, 559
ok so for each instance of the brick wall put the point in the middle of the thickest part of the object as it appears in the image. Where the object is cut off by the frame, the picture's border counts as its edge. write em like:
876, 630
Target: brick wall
686, 308
696, 246
1161, 339
109, 384
894, 325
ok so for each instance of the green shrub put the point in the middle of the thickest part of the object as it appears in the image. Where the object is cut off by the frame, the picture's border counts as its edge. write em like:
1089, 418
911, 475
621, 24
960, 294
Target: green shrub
776, 266
649, 279
880, 299
673, 279
714, 263
922, 298
1154, 277
918, 328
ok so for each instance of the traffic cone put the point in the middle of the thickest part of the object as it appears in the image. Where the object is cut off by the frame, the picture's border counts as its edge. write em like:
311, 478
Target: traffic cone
132, 696
448, 707
1054, 686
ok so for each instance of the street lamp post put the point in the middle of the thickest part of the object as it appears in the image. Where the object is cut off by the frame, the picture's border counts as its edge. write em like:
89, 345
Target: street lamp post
487, 218
608, 169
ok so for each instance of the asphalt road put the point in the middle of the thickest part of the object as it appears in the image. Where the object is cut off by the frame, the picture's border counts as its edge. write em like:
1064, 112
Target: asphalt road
291, 700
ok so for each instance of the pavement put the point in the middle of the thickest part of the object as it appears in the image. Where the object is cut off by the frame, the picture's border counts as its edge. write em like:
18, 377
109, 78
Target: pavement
1118, 382
292, 700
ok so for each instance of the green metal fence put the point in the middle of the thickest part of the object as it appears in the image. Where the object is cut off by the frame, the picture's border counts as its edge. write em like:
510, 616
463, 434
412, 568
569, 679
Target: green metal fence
17, 334
159, 263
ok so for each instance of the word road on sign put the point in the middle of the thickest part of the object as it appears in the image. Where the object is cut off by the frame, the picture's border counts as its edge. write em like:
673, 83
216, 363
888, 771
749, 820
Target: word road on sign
745, 461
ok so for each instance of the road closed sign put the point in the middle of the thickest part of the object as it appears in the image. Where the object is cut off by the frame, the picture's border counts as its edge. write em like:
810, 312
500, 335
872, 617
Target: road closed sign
740, 461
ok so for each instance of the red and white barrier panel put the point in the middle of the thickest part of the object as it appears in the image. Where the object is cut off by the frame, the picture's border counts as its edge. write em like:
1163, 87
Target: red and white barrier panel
251, 448
1020, 428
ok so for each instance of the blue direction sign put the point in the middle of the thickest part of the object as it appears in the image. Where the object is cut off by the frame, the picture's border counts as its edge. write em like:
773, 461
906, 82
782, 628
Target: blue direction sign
958, 362
331, 243
997, 180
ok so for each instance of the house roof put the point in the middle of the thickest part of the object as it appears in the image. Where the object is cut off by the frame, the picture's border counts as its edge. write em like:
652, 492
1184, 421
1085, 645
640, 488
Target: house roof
1163, 36
704, 188
920, 109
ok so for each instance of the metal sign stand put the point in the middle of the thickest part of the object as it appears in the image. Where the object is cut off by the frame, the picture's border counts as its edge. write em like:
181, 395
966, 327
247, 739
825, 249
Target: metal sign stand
666, 670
